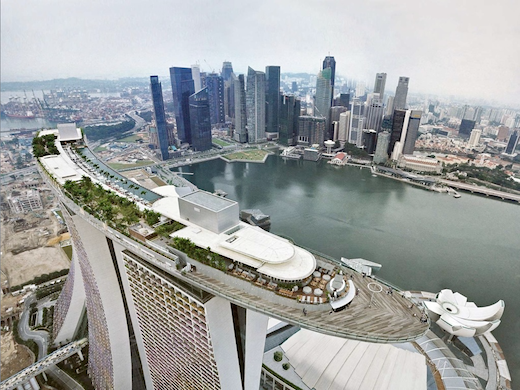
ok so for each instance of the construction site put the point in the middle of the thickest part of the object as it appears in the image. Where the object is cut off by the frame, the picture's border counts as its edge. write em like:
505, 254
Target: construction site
33, 243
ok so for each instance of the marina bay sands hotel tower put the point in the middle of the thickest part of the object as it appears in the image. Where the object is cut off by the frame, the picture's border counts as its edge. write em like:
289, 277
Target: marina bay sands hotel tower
176, 291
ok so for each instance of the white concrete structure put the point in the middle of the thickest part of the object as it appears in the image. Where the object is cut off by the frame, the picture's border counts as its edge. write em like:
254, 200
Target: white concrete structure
326, 362
456, 315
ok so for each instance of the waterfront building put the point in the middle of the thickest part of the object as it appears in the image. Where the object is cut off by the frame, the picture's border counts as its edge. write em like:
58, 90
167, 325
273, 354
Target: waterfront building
401, 92
311, 130
369, 140
272, 99
379, 85
25, 201
513, 142
200, 120
183, 87
474, 138
290, 108
343, 127
405, 127
240, 133
421, 164
330, 63
255, 105
357, 120
381, 153
466, 126
323, 99
215, 90
159, 117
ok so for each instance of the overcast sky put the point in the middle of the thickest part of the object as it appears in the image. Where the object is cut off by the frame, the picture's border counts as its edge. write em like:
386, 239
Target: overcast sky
453, 47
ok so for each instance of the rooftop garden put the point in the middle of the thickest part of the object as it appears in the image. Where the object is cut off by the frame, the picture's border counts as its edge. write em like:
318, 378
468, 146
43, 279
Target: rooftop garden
118, 212
44, 145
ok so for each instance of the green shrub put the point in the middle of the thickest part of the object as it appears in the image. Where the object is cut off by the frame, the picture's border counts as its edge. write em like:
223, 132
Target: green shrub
278, 356
286, 366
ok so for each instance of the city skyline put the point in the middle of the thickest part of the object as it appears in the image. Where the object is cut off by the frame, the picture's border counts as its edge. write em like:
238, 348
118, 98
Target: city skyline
428, 44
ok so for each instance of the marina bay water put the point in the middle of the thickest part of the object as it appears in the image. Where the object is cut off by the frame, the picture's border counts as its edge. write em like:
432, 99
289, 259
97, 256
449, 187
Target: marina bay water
424, 240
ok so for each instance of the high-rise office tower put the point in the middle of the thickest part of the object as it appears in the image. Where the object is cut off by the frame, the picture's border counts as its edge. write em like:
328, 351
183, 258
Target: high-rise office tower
343, 100
401, 92
374, 116
381, 154
255, 104
405, 127
200, 121
474, 138
182, 88
330, 63
379, 85
195, 73
465, 127
513, 142
335, 113
294, 87
503, 132
357, 119
159, 116
361, 90
290, 108
323, 100
240, 133
272, 98
343, 127
227, 70
389, 111
311, 130
215, 86
369, 140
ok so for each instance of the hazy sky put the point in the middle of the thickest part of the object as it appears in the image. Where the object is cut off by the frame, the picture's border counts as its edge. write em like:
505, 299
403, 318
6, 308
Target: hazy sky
460, 47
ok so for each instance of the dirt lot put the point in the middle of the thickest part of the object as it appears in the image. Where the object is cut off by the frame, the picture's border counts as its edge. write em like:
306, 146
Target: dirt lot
14, 357
26, 254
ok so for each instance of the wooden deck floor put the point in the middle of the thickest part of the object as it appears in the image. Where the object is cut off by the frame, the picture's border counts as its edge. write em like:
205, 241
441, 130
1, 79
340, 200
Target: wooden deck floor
388, 319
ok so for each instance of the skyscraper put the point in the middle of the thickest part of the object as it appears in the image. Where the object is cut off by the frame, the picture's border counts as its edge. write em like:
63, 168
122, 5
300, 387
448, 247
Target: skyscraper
375, 111
401, 92
182, 88
465, 127
381, 154
227, 70
405, 126
357, 120
195, 73
200, 121
255, 104
513, 142
335, 112
379, 85
215, 86
311, 130
323, 93
343, 127
272, 98
330, 62
159, 116
289, 114
474, 138
240, 134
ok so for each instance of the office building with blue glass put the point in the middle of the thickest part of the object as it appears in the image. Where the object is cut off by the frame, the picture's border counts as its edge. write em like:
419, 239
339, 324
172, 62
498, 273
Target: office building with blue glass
183, 87
159, 116
200, 121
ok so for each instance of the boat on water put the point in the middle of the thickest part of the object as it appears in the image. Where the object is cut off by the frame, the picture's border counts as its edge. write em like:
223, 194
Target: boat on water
456, 195
20, 115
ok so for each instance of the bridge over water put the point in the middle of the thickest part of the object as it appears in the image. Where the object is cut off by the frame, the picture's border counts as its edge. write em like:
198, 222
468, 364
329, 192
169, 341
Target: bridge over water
482, 190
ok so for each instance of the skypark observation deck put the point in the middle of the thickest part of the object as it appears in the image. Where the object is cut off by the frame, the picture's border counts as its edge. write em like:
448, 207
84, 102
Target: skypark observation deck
261, 267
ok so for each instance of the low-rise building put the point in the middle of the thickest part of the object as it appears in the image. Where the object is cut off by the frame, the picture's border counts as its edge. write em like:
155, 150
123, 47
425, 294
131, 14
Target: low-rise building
421, 164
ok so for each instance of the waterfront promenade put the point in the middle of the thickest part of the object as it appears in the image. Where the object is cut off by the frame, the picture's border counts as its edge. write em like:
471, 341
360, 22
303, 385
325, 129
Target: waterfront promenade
481, 190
